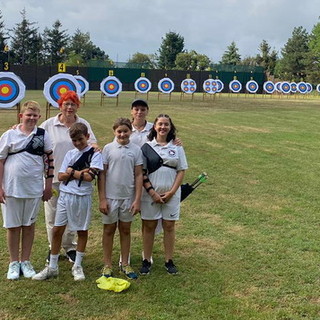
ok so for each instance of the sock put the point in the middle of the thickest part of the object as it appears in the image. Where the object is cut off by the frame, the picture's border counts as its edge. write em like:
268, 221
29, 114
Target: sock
79, 257
54, 261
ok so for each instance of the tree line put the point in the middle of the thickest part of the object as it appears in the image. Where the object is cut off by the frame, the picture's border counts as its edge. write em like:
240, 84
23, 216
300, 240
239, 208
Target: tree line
298, 60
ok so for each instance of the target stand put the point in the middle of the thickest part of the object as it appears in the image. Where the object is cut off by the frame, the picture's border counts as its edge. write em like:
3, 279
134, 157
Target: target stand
164, 94
16, 108
208, 96
103, 97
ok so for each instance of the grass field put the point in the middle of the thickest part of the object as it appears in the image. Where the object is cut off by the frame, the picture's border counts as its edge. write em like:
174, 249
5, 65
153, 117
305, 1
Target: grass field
248, 239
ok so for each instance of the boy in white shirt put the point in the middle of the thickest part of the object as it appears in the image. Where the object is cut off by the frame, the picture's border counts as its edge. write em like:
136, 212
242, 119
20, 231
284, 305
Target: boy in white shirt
79, 167
22, 152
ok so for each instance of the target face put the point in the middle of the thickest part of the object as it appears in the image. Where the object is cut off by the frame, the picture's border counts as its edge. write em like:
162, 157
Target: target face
269, 87
166, 85
188, 86
318, 88
309, 87
285, 87
252, 86
235, 86
111, 86
142, 85
293, 86
59, 84
302, 87
220, 85
210, 86
278, 86
84, 85
12, 90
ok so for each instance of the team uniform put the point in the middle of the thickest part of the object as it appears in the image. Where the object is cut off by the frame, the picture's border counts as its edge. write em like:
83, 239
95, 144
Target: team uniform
162, 181
140, 137
120, 179
74, 202
62, 143
23, 177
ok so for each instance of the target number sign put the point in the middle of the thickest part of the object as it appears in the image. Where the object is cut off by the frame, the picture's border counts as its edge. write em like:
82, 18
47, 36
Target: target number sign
59, 84
188, 86
12, 90
142, 85
166, 85
111, 86
84, 84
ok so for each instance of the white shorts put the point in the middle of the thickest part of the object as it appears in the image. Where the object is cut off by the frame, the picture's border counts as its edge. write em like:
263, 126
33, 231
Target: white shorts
17, 212
74, 211
118, 210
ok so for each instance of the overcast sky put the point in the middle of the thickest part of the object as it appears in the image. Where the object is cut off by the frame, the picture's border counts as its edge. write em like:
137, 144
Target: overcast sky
124, 27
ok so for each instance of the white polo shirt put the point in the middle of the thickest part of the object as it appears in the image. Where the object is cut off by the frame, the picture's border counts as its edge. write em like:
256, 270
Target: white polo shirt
61, 141
121, 161
70, 158
23, 172
163, 178
140, 137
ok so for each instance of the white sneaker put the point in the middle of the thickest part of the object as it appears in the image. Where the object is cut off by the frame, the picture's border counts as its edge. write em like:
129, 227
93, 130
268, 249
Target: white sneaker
27, 269
77, 273
13, 271
46, 273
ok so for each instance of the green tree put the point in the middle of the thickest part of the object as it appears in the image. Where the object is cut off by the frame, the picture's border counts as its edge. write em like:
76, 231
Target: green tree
192, 61
141, 60
292, 66
231, 55
3, 41
266, 58
55, 42
172, 44
26, 42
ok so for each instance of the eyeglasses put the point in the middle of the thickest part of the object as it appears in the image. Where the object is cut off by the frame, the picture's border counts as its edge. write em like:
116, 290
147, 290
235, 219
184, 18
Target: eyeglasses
69, 104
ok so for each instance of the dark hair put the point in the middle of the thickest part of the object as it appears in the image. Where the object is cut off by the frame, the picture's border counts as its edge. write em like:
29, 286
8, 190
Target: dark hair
78, 129
172, 133
122, 122
69, 95
139, 103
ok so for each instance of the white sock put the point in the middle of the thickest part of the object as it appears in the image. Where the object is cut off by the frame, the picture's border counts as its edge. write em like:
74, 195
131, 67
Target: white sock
79, 257
54, 261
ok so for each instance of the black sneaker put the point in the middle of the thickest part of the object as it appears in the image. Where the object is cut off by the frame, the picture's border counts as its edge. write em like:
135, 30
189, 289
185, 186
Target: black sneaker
71, 255
171, 268
145, 268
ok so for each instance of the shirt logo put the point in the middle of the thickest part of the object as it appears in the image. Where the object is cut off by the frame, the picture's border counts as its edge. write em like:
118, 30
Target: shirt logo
172, 153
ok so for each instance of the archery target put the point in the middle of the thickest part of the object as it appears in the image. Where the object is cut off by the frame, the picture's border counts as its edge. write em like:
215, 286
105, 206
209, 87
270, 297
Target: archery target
111, 86
188, 86
302, 87
278, 86
84, 84
309, 87
293, 86
235, 86
166, 85
252, 86
285, 87
12, 90
142, 85
220, 85
59, 84
318, 87
210, 86
269, 87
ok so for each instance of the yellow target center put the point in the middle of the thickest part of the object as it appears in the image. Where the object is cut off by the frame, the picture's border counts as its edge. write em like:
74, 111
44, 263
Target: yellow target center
5, 90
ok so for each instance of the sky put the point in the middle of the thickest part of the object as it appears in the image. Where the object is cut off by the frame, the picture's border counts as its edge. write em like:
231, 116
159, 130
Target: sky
124, 27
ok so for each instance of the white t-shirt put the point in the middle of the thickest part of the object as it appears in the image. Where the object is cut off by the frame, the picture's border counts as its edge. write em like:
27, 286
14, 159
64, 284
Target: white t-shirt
121, 161
23, 172
70, 158
61, 141
163, 178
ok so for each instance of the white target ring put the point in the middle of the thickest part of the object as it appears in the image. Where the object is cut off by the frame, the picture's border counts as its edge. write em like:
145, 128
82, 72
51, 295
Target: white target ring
252, 86
166, 85
188, 86
142, 85
269, 87
84, 84
235, 86
210, 86
111, 86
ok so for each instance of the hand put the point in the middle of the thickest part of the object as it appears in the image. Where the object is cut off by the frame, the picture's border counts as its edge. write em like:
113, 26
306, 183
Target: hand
166, 196
104, 206
156, 197
135, 208
2, 196
47, 194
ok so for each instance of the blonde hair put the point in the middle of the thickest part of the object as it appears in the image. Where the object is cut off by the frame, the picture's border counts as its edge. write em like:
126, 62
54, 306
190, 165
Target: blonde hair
30, 105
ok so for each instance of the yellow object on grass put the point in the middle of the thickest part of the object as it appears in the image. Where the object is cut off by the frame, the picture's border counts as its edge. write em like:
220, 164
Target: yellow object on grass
55, 192
112, 284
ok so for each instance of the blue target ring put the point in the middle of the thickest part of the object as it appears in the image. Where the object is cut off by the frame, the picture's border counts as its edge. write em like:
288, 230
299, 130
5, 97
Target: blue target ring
318, 88
252, 86
142, 85
220, 85
166, 85
188, 86
302, 87
61, 86
269, 87
293, 86
235, 86
309, 87
84, 84
285, 87
111, 86
210, 86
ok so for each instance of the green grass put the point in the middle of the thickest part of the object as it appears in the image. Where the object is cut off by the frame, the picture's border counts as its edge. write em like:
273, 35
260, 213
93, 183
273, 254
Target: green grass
248, 239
